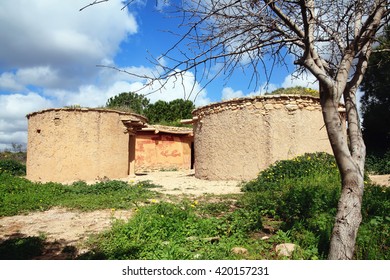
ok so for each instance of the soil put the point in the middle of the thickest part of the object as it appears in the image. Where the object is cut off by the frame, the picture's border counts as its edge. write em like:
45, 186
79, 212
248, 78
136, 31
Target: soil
70, 229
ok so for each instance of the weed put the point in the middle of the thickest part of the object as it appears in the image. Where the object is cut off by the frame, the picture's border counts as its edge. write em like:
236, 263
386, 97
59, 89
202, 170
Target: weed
18, 195
303, 193
13, 167
175, 231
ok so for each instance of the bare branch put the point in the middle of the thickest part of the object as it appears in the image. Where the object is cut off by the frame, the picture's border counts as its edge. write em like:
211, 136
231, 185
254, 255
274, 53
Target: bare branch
93, 3
102, 1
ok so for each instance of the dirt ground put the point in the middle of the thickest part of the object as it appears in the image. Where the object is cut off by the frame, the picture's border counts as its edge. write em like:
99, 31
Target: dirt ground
64, 228
69, 228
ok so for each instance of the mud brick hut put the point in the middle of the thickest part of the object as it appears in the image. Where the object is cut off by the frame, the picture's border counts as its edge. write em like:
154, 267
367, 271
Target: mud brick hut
164, 148
81, 144
236, 139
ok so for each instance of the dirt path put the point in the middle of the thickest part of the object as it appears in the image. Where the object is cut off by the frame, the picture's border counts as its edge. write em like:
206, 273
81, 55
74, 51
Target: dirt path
184, 182
383, 180
65, 228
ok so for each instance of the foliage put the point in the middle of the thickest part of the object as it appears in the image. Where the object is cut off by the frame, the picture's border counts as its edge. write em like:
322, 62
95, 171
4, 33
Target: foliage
303, 193
160, 112
373, 241
172, 112
13, 167
378, 164
306, 165
376, 99
128, 100
20, 157
18, 195
174, 231
298, 90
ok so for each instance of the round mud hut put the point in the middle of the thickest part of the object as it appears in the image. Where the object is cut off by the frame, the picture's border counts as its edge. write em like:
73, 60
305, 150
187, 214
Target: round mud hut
81, 144
236, 139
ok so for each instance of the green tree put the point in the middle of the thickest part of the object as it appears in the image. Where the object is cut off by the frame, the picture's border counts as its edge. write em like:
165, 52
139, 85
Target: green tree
376, 99
157, 112
180, 109
169, 113
137, 103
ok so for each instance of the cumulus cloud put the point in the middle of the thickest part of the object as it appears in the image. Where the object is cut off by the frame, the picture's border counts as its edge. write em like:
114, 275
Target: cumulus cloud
230, 93
183, 86
48, 55
305, 80
13, 122
46, 37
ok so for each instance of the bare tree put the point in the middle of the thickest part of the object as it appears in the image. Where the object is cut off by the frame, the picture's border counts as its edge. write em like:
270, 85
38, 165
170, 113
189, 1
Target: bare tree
332, 39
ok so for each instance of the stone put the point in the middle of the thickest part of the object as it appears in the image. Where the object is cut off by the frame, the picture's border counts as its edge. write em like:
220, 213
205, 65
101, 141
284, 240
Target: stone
259, 105
285, 249
239, 251
266, 237
212, 240
268, 106
292, 107
278, 106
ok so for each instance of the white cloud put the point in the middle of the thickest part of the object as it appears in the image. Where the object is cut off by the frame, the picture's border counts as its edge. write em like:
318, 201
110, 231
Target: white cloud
48, 55
13, 122
54, 35
305, 80
9, 82
229, 93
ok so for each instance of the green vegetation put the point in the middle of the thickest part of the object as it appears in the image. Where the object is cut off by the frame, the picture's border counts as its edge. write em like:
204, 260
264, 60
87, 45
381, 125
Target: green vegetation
128, 102
169, 113
18, 195
303, 193
160, 112
17, 156
176, 231
296, 90
12, 167
291, 201
378, 164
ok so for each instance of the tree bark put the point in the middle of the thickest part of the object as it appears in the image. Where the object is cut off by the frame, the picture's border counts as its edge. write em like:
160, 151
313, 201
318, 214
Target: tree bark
348, 217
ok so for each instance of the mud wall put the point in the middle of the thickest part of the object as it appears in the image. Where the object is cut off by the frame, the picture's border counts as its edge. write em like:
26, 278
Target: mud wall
162, 152
77, 144
236, 139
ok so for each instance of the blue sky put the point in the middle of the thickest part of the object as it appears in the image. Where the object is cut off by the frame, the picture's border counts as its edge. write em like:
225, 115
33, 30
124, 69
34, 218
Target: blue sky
50, 50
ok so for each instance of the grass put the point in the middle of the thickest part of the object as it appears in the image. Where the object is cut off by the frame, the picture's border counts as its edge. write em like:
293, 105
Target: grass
18, 195
176, 231
291, 201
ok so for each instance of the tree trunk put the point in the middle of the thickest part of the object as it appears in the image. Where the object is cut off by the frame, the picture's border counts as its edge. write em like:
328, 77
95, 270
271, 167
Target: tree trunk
348, 217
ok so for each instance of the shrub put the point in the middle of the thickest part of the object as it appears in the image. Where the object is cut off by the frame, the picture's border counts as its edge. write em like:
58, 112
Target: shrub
378, 164
13, 167
304, 192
